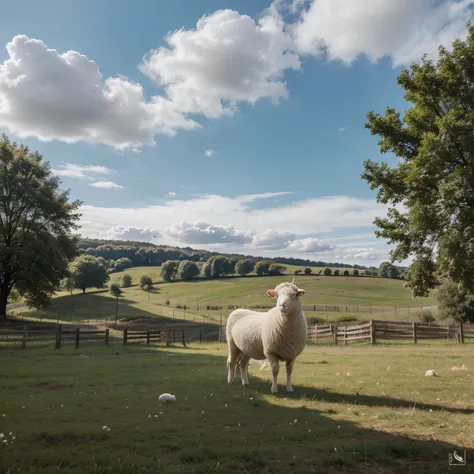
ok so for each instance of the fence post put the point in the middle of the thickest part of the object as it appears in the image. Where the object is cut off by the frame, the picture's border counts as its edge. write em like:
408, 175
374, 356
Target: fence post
125, 336
78, 337
335, 333
461, 332
414, 332
59, 330
148, 337
174, 335
182, 338
316, 327
345, 335
372, 332
200, 336
106, 339
25, 336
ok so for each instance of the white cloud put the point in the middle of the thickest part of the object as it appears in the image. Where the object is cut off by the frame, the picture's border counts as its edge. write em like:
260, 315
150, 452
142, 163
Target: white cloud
133, 233
272, 239
171, 194
342, 129
72, 170
54, 96
106, 185
204, 233
228, 58
402, 29
309, 245
209, 153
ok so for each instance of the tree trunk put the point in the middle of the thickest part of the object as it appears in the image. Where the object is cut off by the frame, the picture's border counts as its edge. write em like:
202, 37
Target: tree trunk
83, 291
116, 311
3, 304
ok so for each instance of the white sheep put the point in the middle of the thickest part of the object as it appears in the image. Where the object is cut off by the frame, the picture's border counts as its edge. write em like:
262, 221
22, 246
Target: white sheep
279, 334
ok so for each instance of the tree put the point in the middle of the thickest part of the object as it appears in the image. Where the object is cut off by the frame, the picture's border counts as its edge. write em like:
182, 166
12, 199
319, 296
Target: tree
146, 283
355, 272
187, 270
454, 302
336, 272
434, 177
327, 271
387, 270
36, 224
308, 271
123, 263
206, 270
117, 292
217, 265
297, 272
262, 267
126, 281
169, 270
88, 272
276, 269
346, 273
244, 267
68, 284
227, 266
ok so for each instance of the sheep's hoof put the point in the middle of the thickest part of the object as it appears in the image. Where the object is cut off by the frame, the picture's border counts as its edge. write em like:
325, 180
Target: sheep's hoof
274, 389
289, 389
245, 384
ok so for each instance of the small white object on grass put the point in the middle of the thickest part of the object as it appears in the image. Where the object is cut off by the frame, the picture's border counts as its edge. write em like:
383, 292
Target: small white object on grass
166, 398
459, 368
431, 373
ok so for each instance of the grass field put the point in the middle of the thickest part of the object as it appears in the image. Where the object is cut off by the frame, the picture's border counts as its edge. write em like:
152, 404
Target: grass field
343, 291
355, 409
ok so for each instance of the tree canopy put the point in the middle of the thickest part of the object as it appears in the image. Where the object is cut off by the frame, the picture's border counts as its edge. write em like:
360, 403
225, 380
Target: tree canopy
36, 224
431, 190
88, 272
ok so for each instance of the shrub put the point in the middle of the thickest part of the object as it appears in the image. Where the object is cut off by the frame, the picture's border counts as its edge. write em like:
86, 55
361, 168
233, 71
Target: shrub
314, 320
276, 269
425, 316
167, 302
146, 283
122, 264
126, 281
454, 303
297, 272
346, 319
308, 271
346, 273
244, 267
355, 272
327, 271
336, 272
262, 267
187, 270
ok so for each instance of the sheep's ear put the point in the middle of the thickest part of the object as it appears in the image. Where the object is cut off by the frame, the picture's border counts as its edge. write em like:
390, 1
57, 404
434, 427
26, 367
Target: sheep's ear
271, 292
300, 292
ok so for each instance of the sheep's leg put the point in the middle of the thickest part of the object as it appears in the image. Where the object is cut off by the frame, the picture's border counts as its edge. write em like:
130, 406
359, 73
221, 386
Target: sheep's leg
244, 369
234, 354
275, 365
289, 370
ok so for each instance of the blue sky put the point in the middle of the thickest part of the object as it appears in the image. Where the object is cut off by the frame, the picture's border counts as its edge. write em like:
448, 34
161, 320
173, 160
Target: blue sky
243, 133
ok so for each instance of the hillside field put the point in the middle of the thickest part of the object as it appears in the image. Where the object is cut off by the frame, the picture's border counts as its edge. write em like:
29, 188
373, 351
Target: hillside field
347, 292
355, 409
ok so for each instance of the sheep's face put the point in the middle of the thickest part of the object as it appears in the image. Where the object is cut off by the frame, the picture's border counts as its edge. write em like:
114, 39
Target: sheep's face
287, 297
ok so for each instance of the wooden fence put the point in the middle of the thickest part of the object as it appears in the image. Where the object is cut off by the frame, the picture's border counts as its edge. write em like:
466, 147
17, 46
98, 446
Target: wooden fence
57, 335
375, 330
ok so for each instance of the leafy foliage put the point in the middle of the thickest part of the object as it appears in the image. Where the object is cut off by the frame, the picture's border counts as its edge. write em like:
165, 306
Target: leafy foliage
187, 270
276, 269
308, 271
88, 272
454, 302
262, 267
126, 281
123, 263
355, 272
36, 221
169, 270
115, 290
327, 271
431, 189
387, 270
146, 283
346, 273
244, 267
297, 272
336, 272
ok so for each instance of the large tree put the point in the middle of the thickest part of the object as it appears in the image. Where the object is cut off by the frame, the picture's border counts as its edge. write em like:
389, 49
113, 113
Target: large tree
88, 272
36, 224
431, 189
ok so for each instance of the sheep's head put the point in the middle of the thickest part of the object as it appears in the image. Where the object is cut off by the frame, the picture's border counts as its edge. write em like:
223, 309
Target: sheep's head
287, 297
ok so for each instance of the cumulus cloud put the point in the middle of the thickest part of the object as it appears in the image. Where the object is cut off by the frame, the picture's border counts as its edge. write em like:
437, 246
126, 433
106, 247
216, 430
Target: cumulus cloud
72, 170
106, 185
272, 239
228, 58
309, 245
136, 234
63, 96
171, 194
204, 233
402, 29
209, 153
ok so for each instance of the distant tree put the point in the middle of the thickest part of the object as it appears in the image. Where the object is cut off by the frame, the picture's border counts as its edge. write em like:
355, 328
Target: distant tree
454, 302
227, 266
262, 267
36, 224
346, 273
243, 267
117, 292
336, 272
169, 270
297, 272
68, 284
88, 272
206, 270
126, 281
146, 283
276, 269
355, 272
187, 270
387, 270
217, 265
327, 271
308, 271
122, 264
